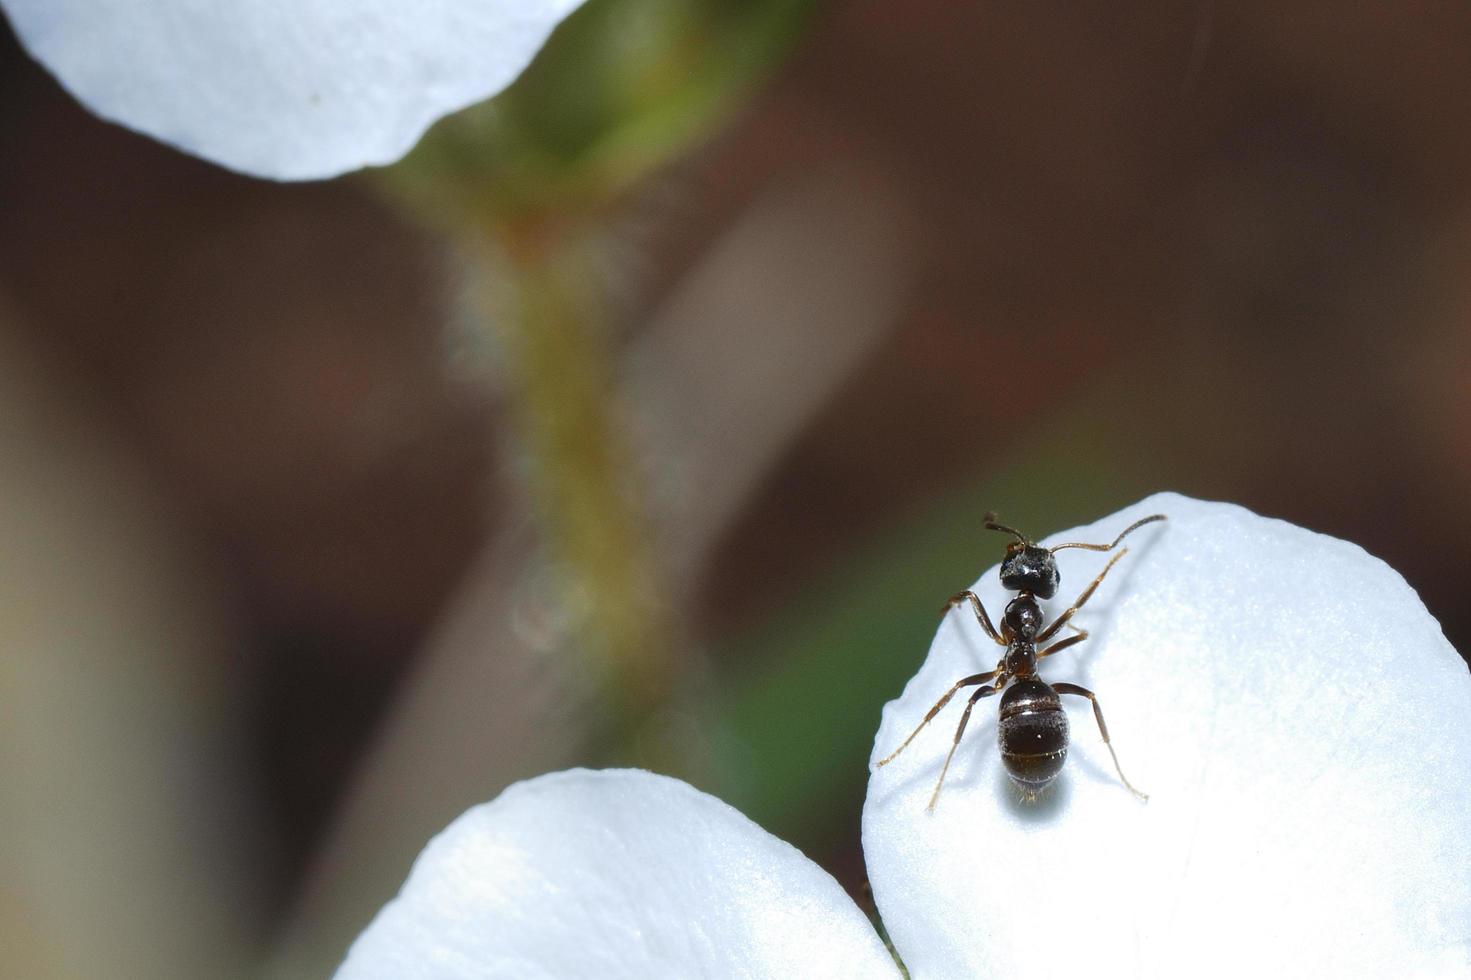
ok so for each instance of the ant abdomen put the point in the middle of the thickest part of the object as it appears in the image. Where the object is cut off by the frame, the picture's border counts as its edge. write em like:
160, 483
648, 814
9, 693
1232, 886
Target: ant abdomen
1033, 734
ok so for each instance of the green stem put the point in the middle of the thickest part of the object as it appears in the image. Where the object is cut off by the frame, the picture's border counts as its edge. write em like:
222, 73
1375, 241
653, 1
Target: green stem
584, 481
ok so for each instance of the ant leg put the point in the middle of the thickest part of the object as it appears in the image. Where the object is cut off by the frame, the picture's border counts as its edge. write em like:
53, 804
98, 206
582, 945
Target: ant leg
986, 691
964, 682
1102, 728
1061, 645
1057, 623
1109, 547
981, 616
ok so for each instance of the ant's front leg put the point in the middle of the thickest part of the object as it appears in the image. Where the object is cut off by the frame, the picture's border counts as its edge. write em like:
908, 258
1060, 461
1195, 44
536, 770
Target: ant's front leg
1060, 621
981, 616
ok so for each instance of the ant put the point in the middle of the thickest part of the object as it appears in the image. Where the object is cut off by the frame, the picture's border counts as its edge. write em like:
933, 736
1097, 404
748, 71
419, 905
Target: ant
1032, 728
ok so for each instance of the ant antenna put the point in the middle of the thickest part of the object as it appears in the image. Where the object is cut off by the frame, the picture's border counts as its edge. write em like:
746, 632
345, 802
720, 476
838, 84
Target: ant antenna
1106, 547
1021, 538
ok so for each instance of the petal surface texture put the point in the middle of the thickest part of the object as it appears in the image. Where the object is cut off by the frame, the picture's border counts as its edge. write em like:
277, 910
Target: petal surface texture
614, 874
1299, 721
287, 89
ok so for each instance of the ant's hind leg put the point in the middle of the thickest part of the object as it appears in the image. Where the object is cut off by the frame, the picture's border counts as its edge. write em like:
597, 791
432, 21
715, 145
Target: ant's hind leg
959, 731
981, 617
1060, 621
963, 682
1083, 692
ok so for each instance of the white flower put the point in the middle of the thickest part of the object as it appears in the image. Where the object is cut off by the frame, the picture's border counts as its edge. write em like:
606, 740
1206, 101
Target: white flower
1303, 729
288, 89
610, 875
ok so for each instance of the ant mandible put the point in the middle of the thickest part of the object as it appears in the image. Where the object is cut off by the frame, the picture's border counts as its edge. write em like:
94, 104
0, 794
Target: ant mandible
1032, 728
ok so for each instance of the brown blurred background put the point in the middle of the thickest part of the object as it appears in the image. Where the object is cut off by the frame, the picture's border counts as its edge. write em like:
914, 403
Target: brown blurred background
1044, 258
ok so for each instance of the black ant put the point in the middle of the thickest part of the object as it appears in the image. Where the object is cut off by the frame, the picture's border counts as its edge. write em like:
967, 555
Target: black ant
1032, 728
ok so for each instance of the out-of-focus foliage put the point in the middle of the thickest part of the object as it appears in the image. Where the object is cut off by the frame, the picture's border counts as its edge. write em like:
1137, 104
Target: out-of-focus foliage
622, 87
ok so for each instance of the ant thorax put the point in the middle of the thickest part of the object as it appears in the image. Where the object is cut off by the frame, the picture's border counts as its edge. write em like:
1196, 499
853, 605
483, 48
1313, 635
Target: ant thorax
1020, 660
1022, 619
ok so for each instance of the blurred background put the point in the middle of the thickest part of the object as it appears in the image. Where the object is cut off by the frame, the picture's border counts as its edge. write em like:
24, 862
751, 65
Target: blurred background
646, 415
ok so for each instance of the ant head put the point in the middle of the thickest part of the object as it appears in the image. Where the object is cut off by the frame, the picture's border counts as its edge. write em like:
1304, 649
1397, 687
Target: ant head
1027, 567
1030, 568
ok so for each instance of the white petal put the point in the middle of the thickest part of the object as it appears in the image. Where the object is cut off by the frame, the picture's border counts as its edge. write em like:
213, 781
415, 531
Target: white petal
614, 874
289, 89
1300, 723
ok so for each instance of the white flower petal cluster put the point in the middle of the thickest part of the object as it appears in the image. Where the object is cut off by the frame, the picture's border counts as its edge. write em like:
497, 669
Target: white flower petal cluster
614, 874
286, 89
1301, 724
